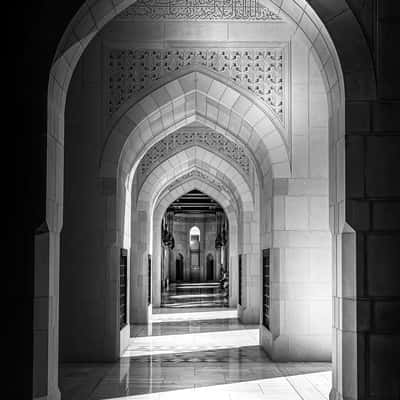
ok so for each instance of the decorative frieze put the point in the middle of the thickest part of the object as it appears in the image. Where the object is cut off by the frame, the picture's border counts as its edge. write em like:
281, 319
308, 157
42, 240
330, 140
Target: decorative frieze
261, 71
205, 10
187, 137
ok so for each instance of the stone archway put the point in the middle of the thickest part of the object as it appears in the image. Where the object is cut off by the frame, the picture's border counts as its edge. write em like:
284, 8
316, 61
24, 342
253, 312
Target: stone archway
84, 26
162, 186
166, 197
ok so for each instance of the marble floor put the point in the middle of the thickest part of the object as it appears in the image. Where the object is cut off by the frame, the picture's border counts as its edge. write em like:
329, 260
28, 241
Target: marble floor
195, 359
187, 295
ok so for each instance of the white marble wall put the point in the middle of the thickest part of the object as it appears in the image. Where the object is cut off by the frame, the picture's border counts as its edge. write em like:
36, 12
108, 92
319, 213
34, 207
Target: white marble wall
301, 276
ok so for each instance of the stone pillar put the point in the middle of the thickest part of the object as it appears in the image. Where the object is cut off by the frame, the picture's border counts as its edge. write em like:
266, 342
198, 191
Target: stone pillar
139, 269
46, 314
218, 262
249, 310
367, 251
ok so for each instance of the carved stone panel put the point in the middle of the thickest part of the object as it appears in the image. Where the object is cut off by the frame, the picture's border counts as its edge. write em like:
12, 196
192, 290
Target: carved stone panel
187, 137
208, 10
261, 71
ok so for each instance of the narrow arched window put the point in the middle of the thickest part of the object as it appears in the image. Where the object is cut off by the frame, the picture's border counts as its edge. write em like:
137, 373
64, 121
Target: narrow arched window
194, 237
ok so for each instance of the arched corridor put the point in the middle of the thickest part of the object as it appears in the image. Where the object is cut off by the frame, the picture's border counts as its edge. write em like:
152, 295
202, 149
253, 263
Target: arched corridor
217, 148
204, 233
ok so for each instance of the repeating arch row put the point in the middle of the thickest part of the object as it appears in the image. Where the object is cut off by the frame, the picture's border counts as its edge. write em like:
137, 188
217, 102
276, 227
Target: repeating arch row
196, 97
208, 175
166, 198
181, 162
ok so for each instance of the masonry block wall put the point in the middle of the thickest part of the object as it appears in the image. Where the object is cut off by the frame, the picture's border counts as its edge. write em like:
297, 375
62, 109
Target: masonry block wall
301, 258
373, 204
88, 289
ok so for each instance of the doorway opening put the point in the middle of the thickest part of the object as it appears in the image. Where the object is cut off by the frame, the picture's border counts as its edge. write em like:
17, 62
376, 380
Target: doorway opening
194, 228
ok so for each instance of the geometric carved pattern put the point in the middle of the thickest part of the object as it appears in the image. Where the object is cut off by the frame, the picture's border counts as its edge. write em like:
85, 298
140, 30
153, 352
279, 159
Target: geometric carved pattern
258, 70
209, 10
187, 137
201, 175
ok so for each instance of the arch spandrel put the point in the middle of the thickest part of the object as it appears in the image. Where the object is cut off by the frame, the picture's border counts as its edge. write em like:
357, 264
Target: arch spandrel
259, 73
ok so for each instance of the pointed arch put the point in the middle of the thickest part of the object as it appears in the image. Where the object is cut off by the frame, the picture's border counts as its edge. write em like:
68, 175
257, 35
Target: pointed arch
308, 24
196, 97
159, 209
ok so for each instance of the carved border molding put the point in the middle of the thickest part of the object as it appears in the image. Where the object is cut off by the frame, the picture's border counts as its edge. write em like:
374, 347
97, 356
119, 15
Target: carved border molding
261, 71
204, 10
201, 175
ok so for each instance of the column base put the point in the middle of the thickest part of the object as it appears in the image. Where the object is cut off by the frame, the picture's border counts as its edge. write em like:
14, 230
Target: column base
55, 395
335, 395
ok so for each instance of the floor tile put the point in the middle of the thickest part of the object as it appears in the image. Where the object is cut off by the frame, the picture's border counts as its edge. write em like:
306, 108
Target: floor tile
195, 359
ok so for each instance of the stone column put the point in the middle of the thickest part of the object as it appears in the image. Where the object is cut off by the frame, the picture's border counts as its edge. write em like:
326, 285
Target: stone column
139, 269
46, 313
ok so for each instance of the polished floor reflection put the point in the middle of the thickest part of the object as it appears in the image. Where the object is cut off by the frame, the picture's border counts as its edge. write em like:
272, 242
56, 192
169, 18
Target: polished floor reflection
196, 359
189, 295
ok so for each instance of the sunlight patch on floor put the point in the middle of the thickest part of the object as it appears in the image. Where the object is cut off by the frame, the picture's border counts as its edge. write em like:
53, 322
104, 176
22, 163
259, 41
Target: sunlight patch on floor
310, 386
191, 342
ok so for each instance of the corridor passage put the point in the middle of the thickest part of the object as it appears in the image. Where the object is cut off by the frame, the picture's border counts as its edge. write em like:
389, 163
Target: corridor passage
189, 295
196, 358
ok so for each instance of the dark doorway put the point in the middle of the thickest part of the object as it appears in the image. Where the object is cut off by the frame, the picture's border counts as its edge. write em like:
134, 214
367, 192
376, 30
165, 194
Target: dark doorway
179, 268
210, 267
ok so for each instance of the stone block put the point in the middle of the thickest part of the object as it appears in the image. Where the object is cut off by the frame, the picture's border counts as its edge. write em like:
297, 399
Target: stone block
355, 161
296, 318
382, 159
387, 315
319, 214
304, 187
320, 317
385, 117
216, 89
358, 116
384, 354
195, 31
386, 215
358, 214
296, 213
320, 265
296, 265
280, 186
310, 348
239, 31
319, 152
388, 79
321, 48
383, 255
301, 60
309, 28
318, 110
300, 156
279, 212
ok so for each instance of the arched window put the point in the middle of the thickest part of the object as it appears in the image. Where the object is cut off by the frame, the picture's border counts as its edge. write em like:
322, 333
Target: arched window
194, 244
194, 234
194, 237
